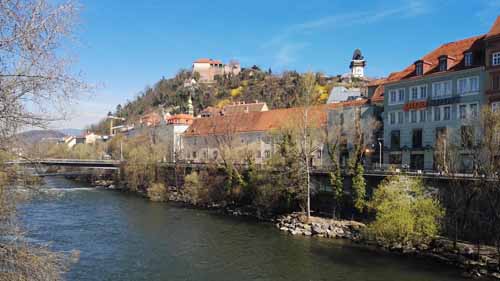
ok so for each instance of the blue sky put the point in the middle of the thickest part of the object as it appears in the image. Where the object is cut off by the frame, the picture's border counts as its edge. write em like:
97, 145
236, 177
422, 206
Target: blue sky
126, 45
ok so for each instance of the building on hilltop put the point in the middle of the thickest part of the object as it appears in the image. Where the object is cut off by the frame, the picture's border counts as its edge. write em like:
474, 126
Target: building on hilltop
440, 97
208, 69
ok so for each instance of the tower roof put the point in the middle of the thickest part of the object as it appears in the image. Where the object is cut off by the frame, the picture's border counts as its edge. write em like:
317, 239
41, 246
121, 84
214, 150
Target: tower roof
357, 55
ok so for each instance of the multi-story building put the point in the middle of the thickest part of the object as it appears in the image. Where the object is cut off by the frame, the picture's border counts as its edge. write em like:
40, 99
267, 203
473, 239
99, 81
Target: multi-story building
440, 95
208, 69
175, 127
492, 49
245, 134
358, 123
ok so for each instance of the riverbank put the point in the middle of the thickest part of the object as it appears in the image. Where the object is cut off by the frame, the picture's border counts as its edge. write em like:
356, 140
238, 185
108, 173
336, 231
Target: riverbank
463, 256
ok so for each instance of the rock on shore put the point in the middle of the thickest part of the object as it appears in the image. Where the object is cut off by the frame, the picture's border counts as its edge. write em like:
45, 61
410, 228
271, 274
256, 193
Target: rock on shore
296, 224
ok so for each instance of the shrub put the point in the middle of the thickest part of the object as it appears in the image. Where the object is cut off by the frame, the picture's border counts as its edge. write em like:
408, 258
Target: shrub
194, 191
404, 212
157, 192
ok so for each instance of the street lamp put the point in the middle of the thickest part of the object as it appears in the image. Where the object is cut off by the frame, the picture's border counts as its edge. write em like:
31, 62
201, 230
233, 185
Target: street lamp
380, 151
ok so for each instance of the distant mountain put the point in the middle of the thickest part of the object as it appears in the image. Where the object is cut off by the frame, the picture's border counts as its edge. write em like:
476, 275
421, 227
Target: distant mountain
35, 136
71, 132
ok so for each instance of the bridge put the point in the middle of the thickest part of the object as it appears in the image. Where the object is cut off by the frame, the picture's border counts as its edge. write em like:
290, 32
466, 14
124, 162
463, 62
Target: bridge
82, 163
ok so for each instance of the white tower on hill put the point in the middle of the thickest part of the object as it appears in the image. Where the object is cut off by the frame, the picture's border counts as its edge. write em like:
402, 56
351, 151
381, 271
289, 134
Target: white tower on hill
357, 64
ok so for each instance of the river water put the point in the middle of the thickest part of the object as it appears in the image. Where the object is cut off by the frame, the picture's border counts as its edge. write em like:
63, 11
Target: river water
124, 237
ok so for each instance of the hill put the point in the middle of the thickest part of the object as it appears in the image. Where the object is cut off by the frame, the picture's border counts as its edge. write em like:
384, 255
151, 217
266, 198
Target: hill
251, 84
36, 136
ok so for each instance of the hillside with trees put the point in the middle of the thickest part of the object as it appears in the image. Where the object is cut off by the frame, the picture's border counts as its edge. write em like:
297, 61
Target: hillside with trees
171, 95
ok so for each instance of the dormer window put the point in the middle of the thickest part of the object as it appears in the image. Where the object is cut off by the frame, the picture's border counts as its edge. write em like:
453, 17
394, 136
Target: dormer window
419, 68
443, 63
468, 59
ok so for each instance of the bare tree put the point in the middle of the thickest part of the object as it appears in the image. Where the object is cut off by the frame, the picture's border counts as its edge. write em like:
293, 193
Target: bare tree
36, 85
36, 78
473, 211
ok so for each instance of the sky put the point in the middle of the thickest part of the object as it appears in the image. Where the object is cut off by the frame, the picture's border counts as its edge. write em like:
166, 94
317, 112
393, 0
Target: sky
124, 46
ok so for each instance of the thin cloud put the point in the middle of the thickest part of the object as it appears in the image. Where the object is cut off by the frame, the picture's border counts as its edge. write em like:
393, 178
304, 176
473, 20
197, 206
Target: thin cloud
410, 8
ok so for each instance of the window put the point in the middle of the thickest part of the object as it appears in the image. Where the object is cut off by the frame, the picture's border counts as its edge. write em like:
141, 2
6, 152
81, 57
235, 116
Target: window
401, 117
215, 154
437, 113
418, 92
467, 136
423, 92
194, 154
447, 113
413, 116
441, 89
414, 93
443, 63
495, 82
495, 58
474, 84
393, 97
423, 115
473, 110
205, 155
468, 85
401, 95
419, 68
495, 107
320, 154
392, 118
395, 139
468, 59
417, 138
267, 154
462, 111
462, 85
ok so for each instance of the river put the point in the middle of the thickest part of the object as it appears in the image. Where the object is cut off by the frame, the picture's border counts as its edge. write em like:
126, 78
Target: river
124, 237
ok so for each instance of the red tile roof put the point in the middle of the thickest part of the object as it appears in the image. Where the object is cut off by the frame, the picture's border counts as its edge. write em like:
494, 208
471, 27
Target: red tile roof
378, 95
205, 60
455, 50
495, 29
185, 119
263, 120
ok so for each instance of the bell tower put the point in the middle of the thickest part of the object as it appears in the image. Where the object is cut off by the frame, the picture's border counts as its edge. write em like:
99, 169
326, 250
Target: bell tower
358, 64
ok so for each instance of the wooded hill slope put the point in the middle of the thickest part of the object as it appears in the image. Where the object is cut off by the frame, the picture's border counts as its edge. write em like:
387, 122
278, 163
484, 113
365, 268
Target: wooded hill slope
171, 95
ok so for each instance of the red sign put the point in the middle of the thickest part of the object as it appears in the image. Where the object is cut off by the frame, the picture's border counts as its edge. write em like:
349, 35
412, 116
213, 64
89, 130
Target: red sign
415, 105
